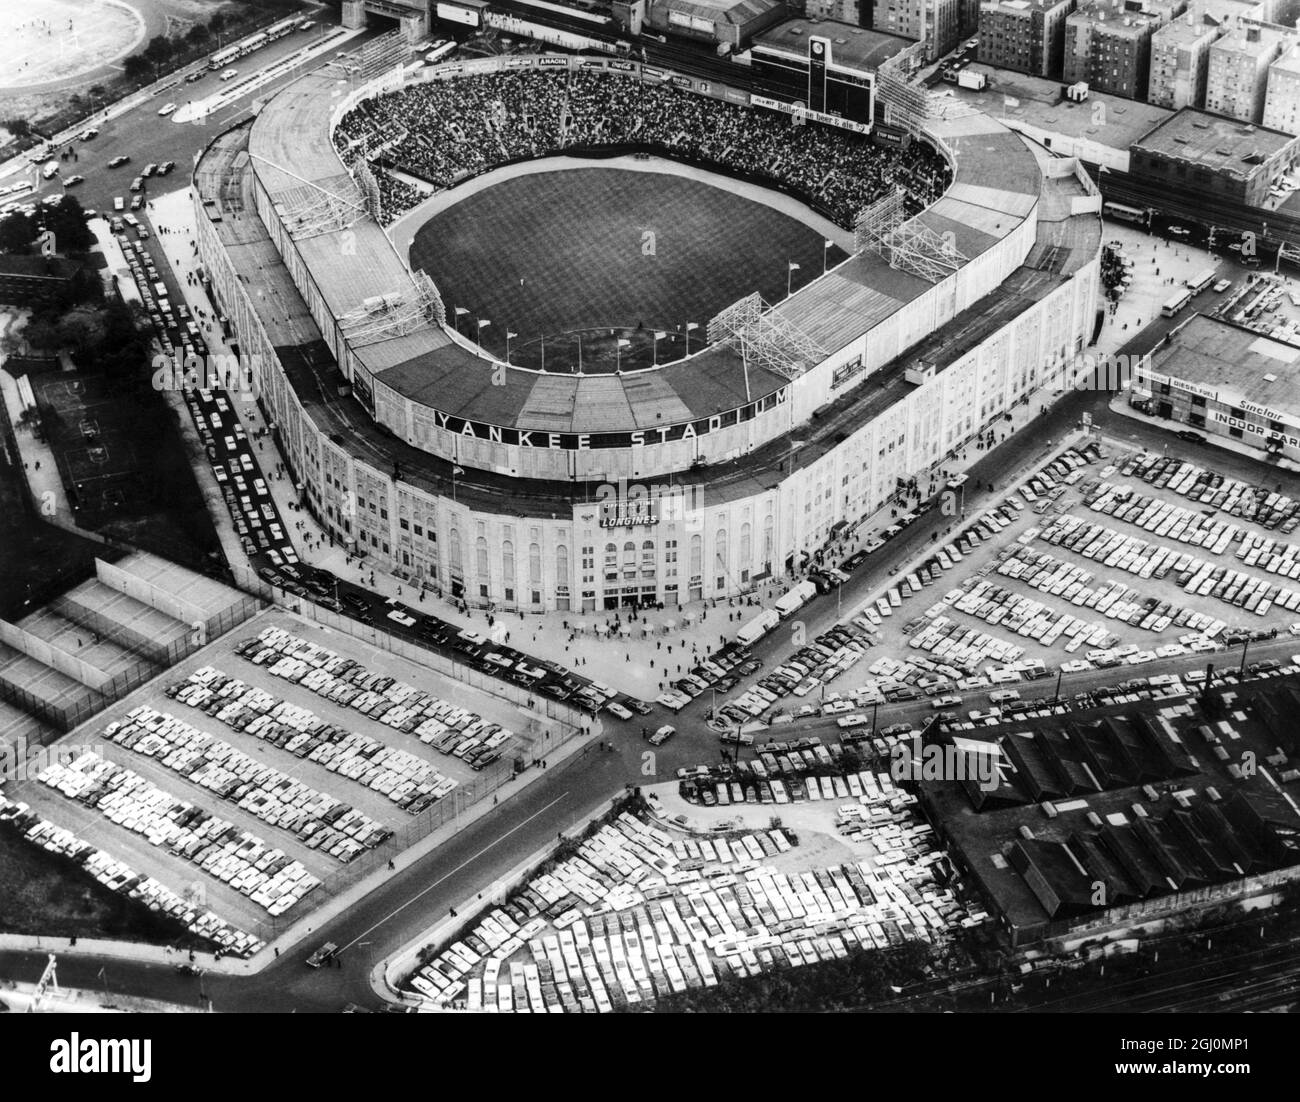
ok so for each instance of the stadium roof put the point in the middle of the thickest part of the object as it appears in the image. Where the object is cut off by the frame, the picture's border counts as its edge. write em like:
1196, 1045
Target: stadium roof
1213, 141
853, 47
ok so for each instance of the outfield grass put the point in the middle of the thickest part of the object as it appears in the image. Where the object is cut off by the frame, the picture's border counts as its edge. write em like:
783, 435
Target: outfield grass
602, 248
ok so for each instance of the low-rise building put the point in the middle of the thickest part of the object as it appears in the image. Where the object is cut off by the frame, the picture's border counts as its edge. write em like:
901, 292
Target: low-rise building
28, 280
733, 22
1213, 156
1225, 381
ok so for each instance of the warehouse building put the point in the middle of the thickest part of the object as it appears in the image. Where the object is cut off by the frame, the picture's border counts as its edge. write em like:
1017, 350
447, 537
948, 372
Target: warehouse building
1225, 381
1197, 151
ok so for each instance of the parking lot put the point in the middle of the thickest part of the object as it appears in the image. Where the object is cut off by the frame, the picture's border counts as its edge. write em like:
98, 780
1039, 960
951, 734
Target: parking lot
265, 763
1096, 561
647, 908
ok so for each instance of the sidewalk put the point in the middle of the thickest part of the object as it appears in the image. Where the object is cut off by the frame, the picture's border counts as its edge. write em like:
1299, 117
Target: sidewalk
39, 466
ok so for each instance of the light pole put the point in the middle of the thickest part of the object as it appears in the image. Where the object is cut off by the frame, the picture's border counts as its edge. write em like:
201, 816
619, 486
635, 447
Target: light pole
689, 326
509, 335
791, 268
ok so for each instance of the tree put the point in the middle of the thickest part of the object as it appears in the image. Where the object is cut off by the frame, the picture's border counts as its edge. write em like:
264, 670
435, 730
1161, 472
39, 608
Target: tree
81, 331
18, 127
136, 66
42, 333
17, 232
197, 33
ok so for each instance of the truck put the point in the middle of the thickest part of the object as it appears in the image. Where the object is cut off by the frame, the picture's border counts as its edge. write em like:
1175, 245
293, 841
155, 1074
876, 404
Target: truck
751, 632
794, 599
976, 82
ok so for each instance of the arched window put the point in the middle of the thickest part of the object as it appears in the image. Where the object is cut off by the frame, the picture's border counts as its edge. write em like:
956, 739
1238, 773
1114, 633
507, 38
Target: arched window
629, 553
534, 564
453, 550
508, 562
561, 565
768, 538
720, 551
481, 555
746, 548
697, 554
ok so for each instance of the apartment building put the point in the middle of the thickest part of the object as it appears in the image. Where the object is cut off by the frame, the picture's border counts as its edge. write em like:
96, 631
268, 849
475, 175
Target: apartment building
1025, 35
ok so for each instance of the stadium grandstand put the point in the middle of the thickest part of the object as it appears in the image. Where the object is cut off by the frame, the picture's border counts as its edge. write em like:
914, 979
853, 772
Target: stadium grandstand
497, 118
969, 286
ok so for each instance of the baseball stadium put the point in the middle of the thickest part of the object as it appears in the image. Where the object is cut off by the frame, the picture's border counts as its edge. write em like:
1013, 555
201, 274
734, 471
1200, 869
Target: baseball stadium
561, 332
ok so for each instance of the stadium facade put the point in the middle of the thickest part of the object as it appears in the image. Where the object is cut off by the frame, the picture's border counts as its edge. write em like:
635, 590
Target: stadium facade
698, 479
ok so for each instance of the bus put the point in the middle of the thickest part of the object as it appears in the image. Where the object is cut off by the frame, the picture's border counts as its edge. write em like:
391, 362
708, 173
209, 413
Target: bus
222, 58
1175, 304
1197, 283
439, 51
1125, 213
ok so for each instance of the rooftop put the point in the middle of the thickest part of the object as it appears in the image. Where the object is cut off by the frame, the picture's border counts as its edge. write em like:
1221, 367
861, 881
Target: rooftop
1213, 141
1021, 7
1240, 363
1254, 39
1126, 18
725, 11
1041, 103
1142, 796
852, 47
1187, 28
1289, 62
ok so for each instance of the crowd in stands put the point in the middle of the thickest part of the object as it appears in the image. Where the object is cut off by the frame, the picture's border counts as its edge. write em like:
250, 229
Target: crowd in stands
445, 131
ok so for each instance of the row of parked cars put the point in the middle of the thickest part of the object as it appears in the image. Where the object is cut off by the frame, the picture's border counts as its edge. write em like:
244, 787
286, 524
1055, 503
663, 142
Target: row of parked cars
175, 329
1266, 508
1198, 576
702, 908
439, 723
1113, 599
1272, 555
120, 877
316, 819
1164, 518
236, 857
253, 511
814, 664
718, 673
402, 777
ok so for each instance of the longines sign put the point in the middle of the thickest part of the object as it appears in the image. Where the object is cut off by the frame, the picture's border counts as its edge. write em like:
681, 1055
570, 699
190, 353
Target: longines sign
589, 441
